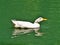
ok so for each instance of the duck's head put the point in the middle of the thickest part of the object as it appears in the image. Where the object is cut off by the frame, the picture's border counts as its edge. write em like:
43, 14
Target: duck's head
40, 19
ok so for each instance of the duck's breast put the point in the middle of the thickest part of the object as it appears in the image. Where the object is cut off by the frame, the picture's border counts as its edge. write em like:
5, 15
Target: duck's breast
36, 25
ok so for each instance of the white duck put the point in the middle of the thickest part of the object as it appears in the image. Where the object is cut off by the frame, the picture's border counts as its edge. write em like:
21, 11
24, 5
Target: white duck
25, 24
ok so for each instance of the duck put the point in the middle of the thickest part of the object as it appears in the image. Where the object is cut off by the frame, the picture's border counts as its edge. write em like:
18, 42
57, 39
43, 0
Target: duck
26, 24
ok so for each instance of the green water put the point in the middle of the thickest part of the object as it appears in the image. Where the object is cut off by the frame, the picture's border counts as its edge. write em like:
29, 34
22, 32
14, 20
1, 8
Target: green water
29, 10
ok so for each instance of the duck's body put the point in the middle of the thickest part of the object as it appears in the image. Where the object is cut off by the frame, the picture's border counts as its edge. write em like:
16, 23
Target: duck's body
25, 24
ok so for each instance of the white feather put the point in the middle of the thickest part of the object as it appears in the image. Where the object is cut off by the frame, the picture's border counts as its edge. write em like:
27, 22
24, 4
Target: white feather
25, 24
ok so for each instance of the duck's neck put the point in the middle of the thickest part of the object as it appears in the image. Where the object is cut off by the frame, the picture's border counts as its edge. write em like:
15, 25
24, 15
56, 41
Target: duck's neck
36, 22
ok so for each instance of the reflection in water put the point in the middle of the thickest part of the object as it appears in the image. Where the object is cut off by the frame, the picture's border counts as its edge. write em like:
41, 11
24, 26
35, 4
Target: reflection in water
17, 32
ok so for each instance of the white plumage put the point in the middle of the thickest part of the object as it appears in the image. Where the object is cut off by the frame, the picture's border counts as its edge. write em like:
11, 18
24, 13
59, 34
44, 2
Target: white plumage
25, 24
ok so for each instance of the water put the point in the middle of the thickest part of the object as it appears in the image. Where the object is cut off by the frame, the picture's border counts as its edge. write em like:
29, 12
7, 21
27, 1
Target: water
17, 32
29, 10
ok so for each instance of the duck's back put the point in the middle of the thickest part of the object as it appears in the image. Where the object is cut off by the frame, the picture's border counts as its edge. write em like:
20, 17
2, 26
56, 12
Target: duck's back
22, 22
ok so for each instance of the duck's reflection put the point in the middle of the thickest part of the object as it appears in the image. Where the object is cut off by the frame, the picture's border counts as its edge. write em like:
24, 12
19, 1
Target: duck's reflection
17, 32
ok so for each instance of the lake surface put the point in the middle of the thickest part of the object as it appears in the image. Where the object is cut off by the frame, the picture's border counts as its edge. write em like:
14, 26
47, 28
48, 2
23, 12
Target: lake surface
29, 10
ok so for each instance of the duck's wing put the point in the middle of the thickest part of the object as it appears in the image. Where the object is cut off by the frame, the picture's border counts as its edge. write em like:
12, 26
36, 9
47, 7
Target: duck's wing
24, 23
21, 22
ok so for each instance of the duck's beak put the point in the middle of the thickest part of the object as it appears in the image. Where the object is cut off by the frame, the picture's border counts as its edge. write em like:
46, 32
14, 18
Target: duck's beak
44, 19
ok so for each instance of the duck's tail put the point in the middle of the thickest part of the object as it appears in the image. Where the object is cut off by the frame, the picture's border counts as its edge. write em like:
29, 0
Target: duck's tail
14, 21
